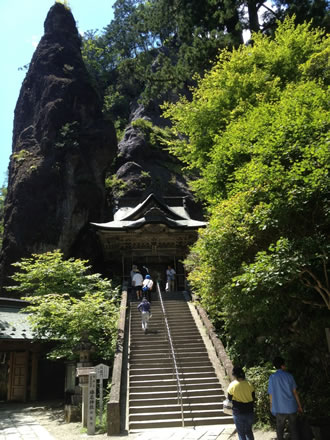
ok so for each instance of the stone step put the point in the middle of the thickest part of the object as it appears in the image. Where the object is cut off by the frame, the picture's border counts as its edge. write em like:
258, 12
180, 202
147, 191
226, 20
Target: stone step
135, 325
167, 394
175, 415
155, 331
154, 334
136, 316
161, 334
157, 312
167, 303
159, 317
190, 342
168, 423
151, 341
183, 361
163, 357
191, 348
169, 370
139, 388
185, 375
138, 345
142, 380
161, 327
170, 400
168, 363
176, 407
182, 375
152, 324
179, 351
149, 338
170, 310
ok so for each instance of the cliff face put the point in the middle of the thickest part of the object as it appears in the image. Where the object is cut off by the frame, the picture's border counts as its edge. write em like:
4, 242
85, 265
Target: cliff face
61, 149
145, 166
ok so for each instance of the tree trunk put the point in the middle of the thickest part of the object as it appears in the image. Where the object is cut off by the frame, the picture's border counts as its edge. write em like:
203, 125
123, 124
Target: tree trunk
253, 16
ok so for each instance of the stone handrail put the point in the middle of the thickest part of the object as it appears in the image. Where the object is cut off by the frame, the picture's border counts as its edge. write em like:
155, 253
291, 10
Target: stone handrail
217, 344
113, 406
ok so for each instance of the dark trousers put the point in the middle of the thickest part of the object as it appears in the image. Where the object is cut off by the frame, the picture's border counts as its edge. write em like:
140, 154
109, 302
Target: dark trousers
243, 423
147, 294
138, 291
280, 424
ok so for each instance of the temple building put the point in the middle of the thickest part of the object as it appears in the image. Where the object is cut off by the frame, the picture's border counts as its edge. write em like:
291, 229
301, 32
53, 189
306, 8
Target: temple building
154, 233
25, 372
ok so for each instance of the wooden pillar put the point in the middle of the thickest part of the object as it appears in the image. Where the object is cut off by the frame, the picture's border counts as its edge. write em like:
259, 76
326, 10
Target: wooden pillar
34, 376
176, 284
123, 267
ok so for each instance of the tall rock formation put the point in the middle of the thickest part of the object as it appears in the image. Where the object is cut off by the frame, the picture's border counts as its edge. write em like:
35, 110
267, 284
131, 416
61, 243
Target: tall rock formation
62, 147
144, 164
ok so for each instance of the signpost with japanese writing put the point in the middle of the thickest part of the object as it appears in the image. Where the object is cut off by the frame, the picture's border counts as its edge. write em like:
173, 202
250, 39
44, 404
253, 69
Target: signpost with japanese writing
102, 372
91, 403
91, 375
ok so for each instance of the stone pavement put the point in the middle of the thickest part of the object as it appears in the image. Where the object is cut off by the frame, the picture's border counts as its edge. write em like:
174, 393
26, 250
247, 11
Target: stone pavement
34, 422
17, 425
216, 432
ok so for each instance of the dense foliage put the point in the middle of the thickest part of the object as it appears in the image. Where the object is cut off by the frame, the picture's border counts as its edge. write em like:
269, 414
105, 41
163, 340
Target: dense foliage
152, 49
68, 304
257, 130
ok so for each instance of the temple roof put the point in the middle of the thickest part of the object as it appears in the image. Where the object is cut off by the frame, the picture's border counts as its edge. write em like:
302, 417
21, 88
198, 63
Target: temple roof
14, 323
151, 211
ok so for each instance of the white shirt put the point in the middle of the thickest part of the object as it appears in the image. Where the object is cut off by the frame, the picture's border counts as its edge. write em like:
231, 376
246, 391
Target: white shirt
149, 283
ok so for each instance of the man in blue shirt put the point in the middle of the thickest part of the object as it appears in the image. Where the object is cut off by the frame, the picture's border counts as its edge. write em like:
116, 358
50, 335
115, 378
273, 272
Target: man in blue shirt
284, 399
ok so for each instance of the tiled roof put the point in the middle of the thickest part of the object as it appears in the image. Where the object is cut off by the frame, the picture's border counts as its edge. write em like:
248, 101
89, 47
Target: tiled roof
14, 322
151, 210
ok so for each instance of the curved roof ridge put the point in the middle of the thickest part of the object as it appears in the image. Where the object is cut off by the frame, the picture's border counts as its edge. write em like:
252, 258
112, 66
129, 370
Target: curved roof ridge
162, 207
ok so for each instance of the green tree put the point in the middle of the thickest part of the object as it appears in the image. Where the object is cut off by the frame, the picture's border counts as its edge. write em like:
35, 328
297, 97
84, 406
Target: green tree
238, 82
151, 50
304, 10
67, 303
257, 131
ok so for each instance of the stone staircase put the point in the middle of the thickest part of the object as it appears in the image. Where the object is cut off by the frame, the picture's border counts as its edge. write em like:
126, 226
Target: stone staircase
153, 399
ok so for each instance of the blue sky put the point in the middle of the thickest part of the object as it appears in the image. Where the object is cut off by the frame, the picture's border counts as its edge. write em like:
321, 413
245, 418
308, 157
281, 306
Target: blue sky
21, 27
